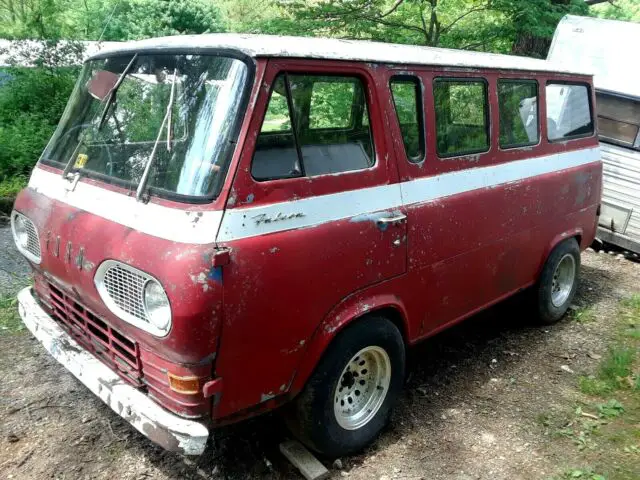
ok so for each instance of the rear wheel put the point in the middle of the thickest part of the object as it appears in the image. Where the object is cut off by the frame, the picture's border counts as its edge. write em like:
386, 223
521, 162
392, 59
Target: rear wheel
348, 399
558, 282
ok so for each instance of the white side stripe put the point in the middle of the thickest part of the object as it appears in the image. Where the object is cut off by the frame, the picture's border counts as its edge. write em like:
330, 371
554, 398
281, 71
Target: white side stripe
200, 228
248, 222
178, 225
431, 188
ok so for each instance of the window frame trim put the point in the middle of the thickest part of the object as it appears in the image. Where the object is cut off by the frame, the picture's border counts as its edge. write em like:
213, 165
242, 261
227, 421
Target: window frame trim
517, 80
419, 89
298, 147
591, 110
487, 114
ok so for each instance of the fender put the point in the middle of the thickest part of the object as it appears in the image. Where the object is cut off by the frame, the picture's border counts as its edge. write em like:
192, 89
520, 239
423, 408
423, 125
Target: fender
572, 233
349, 309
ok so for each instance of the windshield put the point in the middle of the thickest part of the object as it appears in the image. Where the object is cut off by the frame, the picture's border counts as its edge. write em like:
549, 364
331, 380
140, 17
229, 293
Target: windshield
174, 115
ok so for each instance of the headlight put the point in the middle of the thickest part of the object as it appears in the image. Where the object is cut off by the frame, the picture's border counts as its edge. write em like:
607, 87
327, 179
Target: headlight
134, 296
157, 305
20, 231
26, 237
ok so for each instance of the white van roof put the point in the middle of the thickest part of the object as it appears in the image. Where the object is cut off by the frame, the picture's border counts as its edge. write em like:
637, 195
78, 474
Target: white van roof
334, 49
607, 47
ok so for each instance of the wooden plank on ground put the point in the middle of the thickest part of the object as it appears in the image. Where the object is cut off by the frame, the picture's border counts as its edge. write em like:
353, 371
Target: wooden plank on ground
303, 460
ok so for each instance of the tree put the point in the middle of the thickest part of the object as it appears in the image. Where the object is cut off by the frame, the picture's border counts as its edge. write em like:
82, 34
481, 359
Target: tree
531, 23
135, 19
513, 26
617, 10
423, 22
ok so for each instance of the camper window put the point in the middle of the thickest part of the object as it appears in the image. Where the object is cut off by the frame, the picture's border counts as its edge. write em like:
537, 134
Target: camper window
619, 120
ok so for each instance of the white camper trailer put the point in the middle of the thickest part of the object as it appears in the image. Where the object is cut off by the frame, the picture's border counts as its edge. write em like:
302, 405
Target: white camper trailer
609, 48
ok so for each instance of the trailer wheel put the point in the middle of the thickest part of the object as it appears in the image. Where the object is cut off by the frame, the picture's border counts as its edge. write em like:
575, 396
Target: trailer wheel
348, 399
558, 282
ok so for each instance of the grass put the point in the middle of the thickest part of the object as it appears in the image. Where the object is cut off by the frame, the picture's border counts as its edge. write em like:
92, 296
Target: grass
10, 321
580, 474
604, 425
616, 370
583, 315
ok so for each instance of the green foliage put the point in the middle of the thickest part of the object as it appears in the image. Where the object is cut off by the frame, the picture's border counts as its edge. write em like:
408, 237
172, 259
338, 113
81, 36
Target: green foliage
581, 474
10, 187
85, 20
611, 409
31, 102
584, 315
628, 10
134, 19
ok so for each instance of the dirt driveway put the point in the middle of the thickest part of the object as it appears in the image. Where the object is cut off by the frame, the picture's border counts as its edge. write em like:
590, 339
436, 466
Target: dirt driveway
474, 407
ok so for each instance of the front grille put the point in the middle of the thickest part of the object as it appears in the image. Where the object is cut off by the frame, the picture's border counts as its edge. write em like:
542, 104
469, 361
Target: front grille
119, 353
125, 287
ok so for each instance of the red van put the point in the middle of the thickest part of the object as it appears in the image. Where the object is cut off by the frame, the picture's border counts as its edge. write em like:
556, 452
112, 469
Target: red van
223, 224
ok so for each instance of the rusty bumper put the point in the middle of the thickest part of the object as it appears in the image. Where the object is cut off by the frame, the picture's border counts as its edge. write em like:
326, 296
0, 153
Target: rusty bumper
168, 430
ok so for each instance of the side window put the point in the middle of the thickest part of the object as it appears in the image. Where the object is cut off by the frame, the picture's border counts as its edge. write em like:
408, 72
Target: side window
277, 117
276, 155
331, 103
518, 109
314, 125
568, 111
407, 98
462, 124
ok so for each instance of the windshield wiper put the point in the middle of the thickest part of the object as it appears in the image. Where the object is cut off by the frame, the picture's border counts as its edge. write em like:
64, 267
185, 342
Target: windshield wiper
112, 93
167, 117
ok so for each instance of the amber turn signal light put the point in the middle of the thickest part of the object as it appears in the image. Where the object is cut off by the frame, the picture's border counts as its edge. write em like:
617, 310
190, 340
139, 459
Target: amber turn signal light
186, 385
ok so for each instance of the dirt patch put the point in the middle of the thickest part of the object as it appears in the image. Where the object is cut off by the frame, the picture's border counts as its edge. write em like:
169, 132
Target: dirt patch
473, 407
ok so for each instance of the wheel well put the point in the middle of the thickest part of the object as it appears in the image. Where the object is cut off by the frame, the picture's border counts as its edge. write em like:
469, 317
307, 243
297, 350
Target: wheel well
395, 317
578, 238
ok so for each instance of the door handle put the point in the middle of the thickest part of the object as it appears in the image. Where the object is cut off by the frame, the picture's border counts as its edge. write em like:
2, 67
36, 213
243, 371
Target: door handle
391, 220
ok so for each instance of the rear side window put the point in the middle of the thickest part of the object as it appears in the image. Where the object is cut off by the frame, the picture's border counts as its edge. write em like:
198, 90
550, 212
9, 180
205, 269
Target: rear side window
461, 109
568, 111
407, 98
618, 120
314, 125
518, 108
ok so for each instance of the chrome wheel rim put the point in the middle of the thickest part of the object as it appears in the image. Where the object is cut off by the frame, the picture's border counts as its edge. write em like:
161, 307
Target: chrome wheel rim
362, 388
563, 279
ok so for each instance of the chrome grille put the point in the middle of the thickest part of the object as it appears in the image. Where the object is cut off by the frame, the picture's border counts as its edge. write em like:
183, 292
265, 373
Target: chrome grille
33, 244
125, 288
32, 249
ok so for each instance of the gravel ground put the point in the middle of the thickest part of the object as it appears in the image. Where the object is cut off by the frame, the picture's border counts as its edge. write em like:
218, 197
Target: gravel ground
14, 269
469, 410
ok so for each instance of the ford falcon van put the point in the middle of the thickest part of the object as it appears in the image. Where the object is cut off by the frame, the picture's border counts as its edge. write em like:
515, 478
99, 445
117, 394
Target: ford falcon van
224, 224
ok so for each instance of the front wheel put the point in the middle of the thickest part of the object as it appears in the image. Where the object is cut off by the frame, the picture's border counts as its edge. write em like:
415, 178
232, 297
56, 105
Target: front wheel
558, 281
348, 399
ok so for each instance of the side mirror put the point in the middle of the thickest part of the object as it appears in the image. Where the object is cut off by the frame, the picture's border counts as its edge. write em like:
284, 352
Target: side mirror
101, 84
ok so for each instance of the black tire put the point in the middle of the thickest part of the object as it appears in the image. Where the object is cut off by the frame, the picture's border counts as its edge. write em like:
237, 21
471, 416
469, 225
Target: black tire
311, 417
548, 312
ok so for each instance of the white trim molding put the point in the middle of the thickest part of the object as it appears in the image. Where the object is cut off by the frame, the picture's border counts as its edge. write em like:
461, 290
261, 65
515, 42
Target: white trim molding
236, 223
175, 224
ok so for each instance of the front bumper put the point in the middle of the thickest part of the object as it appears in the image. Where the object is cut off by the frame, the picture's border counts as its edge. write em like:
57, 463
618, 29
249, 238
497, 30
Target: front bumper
168, 430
